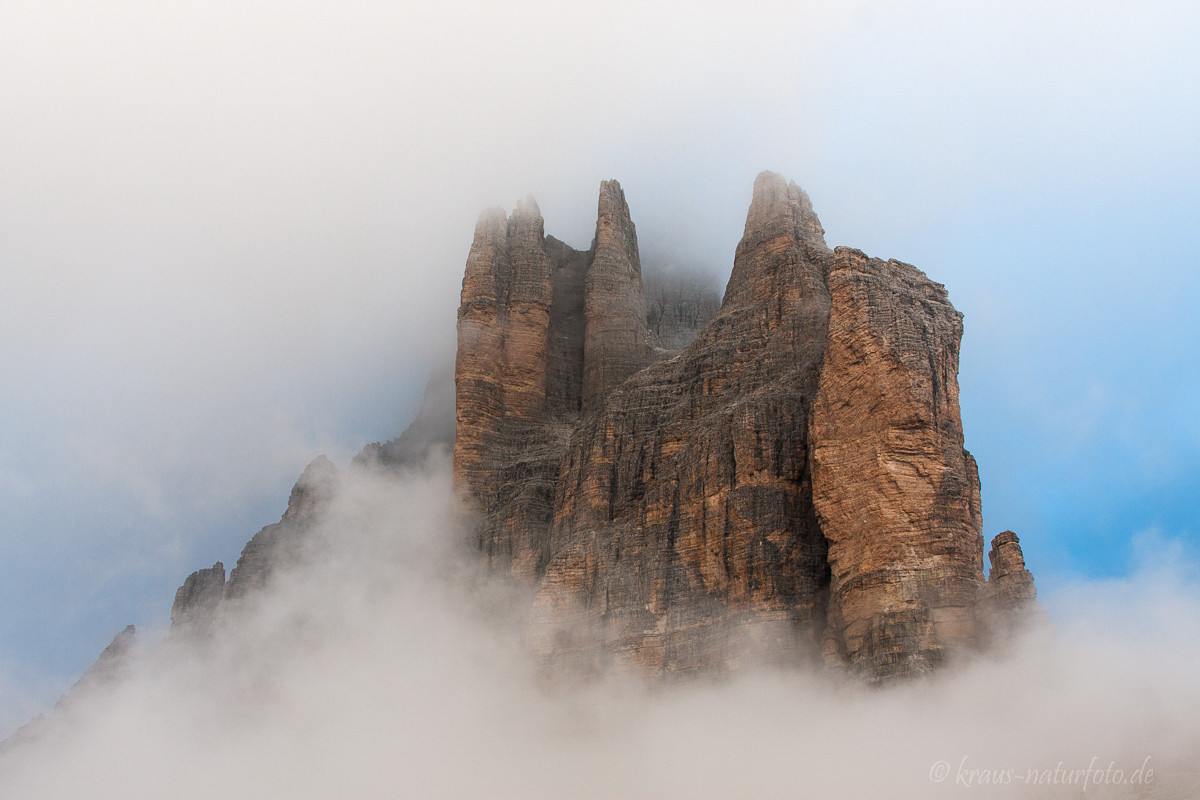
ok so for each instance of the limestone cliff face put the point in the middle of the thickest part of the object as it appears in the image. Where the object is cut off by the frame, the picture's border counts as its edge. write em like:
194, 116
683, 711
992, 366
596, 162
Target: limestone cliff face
616, 343
790, 485
1009, 585
896, 493
544, 332
683, 515
678, 306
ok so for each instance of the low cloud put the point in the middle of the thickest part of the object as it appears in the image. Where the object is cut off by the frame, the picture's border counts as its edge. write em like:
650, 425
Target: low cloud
390, 663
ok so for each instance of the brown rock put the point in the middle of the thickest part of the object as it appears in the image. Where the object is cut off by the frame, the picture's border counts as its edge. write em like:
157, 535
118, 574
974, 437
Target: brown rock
543, 331
792, 481
616, 343
897, 495
683, 517
1009, 597
791, 485
502, 379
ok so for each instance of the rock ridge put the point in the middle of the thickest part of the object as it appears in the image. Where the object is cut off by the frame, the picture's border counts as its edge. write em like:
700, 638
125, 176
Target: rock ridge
791, 485
784, 482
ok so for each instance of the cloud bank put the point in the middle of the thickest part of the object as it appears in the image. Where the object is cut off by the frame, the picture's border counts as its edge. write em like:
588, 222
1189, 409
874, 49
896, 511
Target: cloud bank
389, 664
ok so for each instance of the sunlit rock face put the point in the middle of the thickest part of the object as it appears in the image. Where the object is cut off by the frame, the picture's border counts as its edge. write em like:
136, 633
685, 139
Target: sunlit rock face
896, 493
791, 485
692, 488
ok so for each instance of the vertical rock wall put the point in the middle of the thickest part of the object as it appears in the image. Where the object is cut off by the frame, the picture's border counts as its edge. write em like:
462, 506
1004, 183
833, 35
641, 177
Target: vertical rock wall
792, 482
544, 331
896, 493
616, 343
790, 485
1009, 600
683, 519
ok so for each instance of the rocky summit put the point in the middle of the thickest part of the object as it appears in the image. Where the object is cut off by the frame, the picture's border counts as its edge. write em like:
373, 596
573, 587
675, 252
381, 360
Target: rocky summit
792, 484
694, 487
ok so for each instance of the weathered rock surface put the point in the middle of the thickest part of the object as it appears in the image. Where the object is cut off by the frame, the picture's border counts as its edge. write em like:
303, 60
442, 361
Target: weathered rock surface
791, 484
1009, 584
544, 332
783, 479
896, 493
1009, 597
678, 306
616, 343
198, 601
693, 488
683, 517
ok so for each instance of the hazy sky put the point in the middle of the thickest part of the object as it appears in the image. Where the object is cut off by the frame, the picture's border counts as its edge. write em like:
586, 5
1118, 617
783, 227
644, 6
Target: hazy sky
232, 237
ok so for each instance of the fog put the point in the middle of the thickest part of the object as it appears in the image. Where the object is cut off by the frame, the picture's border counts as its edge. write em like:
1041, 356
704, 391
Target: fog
389, 664
232, 237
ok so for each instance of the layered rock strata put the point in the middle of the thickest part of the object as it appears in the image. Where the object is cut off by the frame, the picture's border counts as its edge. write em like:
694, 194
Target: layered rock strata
1009, 602
792, 484
683, 516
544, 332
1010, 585
896, 493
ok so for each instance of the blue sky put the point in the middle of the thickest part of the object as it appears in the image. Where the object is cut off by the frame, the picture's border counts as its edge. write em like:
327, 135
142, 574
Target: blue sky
232, 235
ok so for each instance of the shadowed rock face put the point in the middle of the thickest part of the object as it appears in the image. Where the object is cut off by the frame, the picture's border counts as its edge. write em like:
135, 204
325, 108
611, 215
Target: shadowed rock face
683, 515
1009, 599
544, 332
792, 484
277, 543
200, 601
678, 306
197, 602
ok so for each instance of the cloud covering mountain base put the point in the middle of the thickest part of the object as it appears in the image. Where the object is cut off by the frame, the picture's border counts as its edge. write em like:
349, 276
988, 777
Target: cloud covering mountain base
389, 664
